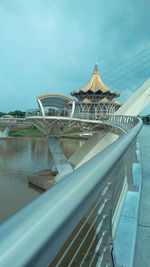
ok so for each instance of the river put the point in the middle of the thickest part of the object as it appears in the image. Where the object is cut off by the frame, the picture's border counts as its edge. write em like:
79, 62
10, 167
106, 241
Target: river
19, 158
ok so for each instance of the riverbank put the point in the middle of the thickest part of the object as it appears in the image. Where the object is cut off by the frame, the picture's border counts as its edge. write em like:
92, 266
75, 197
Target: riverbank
28, 132
33, 132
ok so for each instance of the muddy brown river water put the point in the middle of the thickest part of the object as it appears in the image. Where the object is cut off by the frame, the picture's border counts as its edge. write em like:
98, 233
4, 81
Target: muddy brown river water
19, 158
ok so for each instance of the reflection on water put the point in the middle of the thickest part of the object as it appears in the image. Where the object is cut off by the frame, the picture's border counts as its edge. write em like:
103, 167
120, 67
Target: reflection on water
20, 157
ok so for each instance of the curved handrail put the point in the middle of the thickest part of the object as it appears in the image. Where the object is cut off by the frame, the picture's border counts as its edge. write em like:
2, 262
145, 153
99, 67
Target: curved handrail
36, 233
125, 120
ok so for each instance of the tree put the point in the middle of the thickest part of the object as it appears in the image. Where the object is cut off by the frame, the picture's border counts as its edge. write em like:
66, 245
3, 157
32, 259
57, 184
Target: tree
17, 113
2, 114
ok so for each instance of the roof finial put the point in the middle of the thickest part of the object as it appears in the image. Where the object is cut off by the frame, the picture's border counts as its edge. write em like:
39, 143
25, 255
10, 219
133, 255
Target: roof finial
96, 67
96, 59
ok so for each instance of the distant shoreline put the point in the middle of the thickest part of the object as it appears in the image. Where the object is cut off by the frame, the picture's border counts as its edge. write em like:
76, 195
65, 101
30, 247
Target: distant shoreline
32, 132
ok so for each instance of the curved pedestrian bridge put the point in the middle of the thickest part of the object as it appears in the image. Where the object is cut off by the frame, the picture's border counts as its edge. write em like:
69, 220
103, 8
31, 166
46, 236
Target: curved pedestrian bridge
62, 125
89, 217
75, 222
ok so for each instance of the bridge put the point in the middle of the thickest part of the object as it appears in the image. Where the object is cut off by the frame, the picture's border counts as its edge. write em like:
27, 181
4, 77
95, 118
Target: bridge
78, 222
8, 122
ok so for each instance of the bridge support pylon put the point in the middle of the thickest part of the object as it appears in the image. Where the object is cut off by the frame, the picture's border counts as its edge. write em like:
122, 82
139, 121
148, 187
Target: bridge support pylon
5, 132
61, 163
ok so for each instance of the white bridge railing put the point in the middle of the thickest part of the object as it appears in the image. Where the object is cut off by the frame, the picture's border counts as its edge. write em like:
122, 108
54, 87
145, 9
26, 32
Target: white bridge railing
126, 122
14, 121
73, 223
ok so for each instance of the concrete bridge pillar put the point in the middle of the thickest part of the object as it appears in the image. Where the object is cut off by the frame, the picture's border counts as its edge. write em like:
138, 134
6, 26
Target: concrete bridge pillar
61, 163
5, 132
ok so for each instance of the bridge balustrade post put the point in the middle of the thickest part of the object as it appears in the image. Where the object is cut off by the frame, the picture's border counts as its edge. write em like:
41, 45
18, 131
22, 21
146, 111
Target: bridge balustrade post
104, 228
130, 158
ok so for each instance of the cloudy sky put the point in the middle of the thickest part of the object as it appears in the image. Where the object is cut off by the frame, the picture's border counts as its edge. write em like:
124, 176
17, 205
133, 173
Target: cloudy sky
51, 46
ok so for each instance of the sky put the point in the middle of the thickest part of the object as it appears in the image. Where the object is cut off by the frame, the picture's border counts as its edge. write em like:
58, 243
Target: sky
51, 46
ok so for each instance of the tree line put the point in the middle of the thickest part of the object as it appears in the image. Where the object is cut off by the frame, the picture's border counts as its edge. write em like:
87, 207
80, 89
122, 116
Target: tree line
15, 113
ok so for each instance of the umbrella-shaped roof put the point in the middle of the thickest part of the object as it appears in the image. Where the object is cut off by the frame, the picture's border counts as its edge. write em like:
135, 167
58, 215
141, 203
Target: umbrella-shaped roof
95, 85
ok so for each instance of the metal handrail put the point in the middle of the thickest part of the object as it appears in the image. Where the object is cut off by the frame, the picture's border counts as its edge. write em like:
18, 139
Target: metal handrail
15, 121
88, 116
35, 234
117, 122
11, 119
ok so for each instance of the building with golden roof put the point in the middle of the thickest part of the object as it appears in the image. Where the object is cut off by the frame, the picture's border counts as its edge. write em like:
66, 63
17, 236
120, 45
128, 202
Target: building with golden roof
96, 97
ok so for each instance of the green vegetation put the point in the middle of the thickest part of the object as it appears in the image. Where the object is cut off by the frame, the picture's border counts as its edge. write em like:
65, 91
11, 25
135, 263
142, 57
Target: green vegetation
78, 137
73, 130
16, 113
30, 132
33, 132
2, 114
146, 119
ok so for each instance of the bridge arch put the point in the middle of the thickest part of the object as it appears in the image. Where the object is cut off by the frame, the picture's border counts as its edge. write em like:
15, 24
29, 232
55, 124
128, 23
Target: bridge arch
55, 104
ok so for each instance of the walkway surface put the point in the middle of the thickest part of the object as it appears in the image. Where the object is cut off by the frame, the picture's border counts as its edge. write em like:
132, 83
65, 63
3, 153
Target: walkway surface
142, 250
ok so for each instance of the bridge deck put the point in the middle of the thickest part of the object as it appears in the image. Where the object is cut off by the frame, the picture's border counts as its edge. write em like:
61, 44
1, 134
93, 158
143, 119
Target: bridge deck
142, 251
